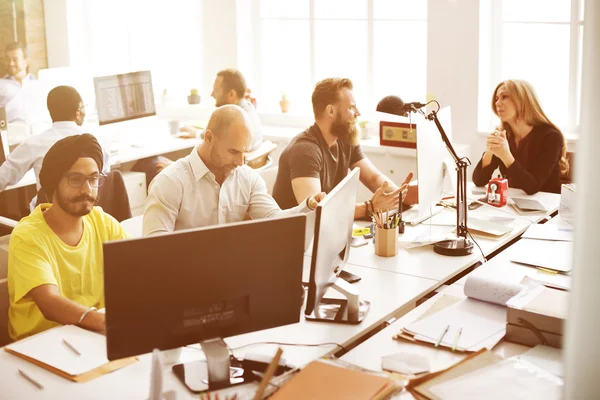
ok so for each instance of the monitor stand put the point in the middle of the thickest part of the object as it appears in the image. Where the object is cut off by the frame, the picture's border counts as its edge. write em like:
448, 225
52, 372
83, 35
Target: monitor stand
343, 311
214, 373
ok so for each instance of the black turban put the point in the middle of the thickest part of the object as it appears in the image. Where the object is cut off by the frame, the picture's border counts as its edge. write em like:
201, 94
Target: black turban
61, 157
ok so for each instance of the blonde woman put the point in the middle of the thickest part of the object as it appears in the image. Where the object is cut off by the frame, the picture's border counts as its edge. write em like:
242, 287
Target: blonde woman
527, 147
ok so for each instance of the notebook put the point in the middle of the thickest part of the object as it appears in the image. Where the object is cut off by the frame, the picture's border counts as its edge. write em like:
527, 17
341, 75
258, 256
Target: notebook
49, 351
552, 255
324, 380
474, 323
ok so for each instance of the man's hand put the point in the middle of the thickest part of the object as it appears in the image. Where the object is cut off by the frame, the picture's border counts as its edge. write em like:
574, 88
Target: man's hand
314, 200
384, 199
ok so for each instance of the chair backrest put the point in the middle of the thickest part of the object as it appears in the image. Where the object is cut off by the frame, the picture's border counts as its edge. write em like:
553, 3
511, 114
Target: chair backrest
269, 175
4, 302
4, 338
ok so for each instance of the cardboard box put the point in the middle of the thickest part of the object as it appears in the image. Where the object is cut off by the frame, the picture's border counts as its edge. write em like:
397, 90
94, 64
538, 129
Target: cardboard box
538, 317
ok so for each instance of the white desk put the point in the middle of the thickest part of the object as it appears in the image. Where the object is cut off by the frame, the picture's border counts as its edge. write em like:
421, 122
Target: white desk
423, 262
388, 293
130, 141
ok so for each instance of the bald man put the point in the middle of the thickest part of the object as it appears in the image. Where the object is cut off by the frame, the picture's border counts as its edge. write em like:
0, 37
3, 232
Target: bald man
212, 186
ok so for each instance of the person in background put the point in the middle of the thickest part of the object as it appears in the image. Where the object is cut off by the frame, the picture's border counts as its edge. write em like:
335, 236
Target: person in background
55, 262
319, 158
527, 147
68, 113
212, 186
20, 93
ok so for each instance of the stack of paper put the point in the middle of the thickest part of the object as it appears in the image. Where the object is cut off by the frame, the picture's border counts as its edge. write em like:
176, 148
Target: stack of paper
551, 232
485, 375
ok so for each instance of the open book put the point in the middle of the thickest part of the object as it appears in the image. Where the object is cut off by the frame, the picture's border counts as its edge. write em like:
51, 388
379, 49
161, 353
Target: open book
470, 324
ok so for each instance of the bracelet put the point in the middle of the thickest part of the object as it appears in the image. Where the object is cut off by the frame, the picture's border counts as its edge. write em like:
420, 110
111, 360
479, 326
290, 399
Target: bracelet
368, 208
86, 312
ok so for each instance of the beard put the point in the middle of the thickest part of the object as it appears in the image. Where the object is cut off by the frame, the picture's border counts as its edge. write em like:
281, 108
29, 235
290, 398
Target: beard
217, 162
75, 206
345, 131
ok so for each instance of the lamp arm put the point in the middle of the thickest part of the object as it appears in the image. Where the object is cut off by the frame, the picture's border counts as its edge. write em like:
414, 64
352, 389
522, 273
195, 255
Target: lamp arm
461, 182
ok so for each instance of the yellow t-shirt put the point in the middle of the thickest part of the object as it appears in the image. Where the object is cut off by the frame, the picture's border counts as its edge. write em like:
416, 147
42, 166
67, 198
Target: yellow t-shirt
37, 256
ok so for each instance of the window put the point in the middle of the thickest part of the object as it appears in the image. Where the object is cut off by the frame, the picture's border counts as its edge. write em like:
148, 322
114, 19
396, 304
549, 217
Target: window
536, 40
134, 35
380, 44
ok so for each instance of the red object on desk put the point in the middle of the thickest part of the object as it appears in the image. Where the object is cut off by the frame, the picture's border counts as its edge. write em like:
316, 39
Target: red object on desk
497, 191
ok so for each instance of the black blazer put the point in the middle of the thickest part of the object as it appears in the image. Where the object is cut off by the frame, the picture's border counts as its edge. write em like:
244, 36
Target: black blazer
536, 167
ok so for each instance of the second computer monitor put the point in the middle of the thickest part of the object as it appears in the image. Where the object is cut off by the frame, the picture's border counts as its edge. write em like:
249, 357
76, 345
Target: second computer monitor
331, 247
124, 97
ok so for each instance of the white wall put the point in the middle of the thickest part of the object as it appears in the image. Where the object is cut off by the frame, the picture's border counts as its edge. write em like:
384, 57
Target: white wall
582, 348
453, 67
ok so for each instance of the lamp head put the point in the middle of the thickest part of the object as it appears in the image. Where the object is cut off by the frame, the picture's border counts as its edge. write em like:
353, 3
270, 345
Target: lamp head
392, 105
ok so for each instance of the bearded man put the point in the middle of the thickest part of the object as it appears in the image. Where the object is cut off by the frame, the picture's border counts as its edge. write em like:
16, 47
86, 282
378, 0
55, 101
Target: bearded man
319, 158
55, 261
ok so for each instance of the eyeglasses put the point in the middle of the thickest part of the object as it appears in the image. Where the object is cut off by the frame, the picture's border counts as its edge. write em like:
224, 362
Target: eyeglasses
78, 180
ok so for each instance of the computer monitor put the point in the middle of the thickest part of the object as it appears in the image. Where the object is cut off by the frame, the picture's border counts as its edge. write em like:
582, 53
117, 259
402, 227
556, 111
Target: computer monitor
433, 174
331, 247
124, 97
192, 286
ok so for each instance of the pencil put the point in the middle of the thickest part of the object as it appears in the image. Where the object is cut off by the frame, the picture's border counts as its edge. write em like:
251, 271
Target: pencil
442, 336
456, 339
30, 379
268, 375
70, 346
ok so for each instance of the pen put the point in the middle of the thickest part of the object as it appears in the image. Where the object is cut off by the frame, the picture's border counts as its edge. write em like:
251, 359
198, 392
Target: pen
30, 379
268, 374
456, 339
442, 336
70, 346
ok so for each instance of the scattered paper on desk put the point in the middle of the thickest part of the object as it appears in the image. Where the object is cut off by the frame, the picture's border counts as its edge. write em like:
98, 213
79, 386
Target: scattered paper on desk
479, 321
556, 256
423, 235
553, 232
405, 363
508, 379
556, 281
490, 290
529, 204
547, 358
48, 348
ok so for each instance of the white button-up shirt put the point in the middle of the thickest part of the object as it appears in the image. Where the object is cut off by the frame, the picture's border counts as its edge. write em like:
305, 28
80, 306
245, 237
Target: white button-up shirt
257, 136
186, 195
24, 101
30, 154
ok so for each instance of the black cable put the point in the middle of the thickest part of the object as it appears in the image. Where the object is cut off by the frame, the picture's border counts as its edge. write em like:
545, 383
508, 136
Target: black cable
436, 102
479, 247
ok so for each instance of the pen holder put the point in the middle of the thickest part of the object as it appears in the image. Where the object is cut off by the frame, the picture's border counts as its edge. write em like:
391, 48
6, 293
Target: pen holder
386, 242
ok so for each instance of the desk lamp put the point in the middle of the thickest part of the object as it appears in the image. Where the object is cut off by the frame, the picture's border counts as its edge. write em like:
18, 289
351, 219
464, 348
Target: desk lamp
461, 245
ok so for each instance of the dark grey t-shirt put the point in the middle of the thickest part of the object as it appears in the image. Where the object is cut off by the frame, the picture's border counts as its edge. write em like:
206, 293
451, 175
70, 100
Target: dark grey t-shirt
308, 156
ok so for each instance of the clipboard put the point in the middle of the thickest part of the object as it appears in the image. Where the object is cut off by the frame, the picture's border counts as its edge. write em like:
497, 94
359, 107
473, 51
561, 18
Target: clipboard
46, 351
81, 378
419, 387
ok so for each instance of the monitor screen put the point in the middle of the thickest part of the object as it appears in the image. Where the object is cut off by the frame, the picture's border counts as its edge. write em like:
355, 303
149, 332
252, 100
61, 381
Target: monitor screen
124, 97
333, 233
173, 290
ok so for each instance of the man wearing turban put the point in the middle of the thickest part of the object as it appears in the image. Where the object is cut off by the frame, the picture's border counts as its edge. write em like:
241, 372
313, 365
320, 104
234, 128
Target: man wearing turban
55, 262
